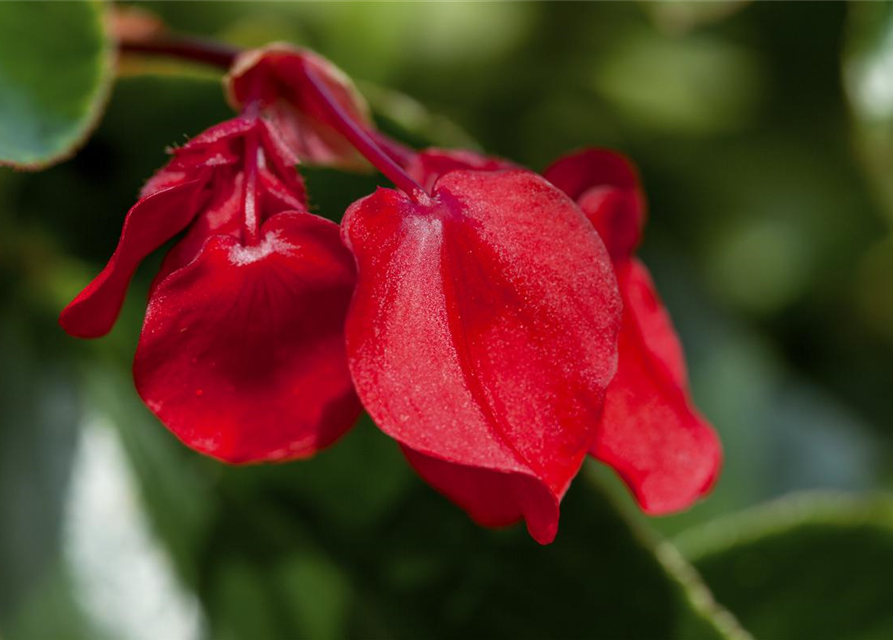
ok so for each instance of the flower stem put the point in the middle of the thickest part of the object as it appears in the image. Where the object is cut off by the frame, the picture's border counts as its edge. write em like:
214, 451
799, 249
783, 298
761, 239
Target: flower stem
362, 140
196, 49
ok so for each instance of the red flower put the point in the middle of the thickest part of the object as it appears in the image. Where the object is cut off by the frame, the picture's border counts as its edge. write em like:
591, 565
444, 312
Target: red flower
242, 352
650, 432
482, 335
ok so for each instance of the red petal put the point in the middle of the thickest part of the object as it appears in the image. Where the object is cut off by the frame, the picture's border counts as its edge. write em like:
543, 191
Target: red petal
221, 216
275, 76
279, 195
280, 163
492, 498
482, 335
242, 351
606, 186
216, 147
651, 434
427, 166
150, 223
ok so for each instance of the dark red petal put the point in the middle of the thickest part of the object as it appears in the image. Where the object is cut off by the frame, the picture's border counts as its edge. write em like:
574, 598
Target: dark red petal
216, 147
580, 171
164, 178
278, 195
275, 76
606, 186
651, 434
242, 350
492, 498
279, 162
222, 215
428, 165
482, 335
150, 223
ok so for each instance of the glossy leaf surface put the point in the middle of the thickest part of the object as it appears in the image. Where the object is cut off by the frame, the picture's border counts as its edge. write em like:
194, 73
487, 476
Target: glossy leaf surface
55, 70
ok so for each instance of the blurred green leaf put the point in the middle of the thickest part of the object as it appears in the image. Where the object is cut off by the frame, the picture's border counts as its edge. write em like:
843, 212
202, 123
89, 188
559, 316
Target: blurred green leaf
38, 429
413, 120
55, 70
422, 569
52, 611
806, 567
699, 85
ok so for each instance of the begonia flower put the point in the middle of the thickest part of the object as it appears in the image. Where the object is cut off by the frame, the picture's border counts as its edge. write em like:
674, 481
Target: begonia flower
242, 351
478, 310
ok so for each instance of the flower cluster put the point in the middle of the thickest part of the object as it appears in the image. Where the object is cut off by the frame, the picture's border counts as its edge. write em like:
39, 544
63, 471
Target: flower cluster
493, 321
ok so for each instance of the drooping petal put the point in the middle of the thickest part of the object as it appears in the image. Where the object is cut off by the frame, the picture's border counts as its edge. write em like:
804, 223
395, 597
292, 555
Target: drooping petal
150, 223
482, 335
606, 186
213, 148
651, 434
275, 75
492, 498
278, 195
279, 163
242, 350
428, 165
577, 172
220, 215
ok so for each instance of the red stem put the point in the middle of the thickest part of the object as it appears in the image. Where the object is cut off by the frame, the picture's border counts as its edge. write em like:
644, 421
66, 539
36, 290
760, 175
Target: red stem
361, 140
196, 49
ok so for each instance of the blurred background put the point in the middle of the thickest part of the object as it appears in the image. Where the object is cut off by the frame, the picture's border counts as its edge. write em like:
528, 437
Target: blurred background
764, 134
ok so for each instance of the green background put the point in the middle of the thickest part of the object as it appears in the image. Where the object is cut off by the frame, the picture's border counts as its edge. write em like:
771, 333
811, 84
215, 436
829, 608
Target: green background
764, 133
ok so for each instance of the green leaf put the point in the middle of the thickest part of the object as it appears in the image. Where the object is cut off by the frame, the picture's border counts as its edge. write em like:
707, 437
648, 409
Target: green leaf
55, 73
774, 564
